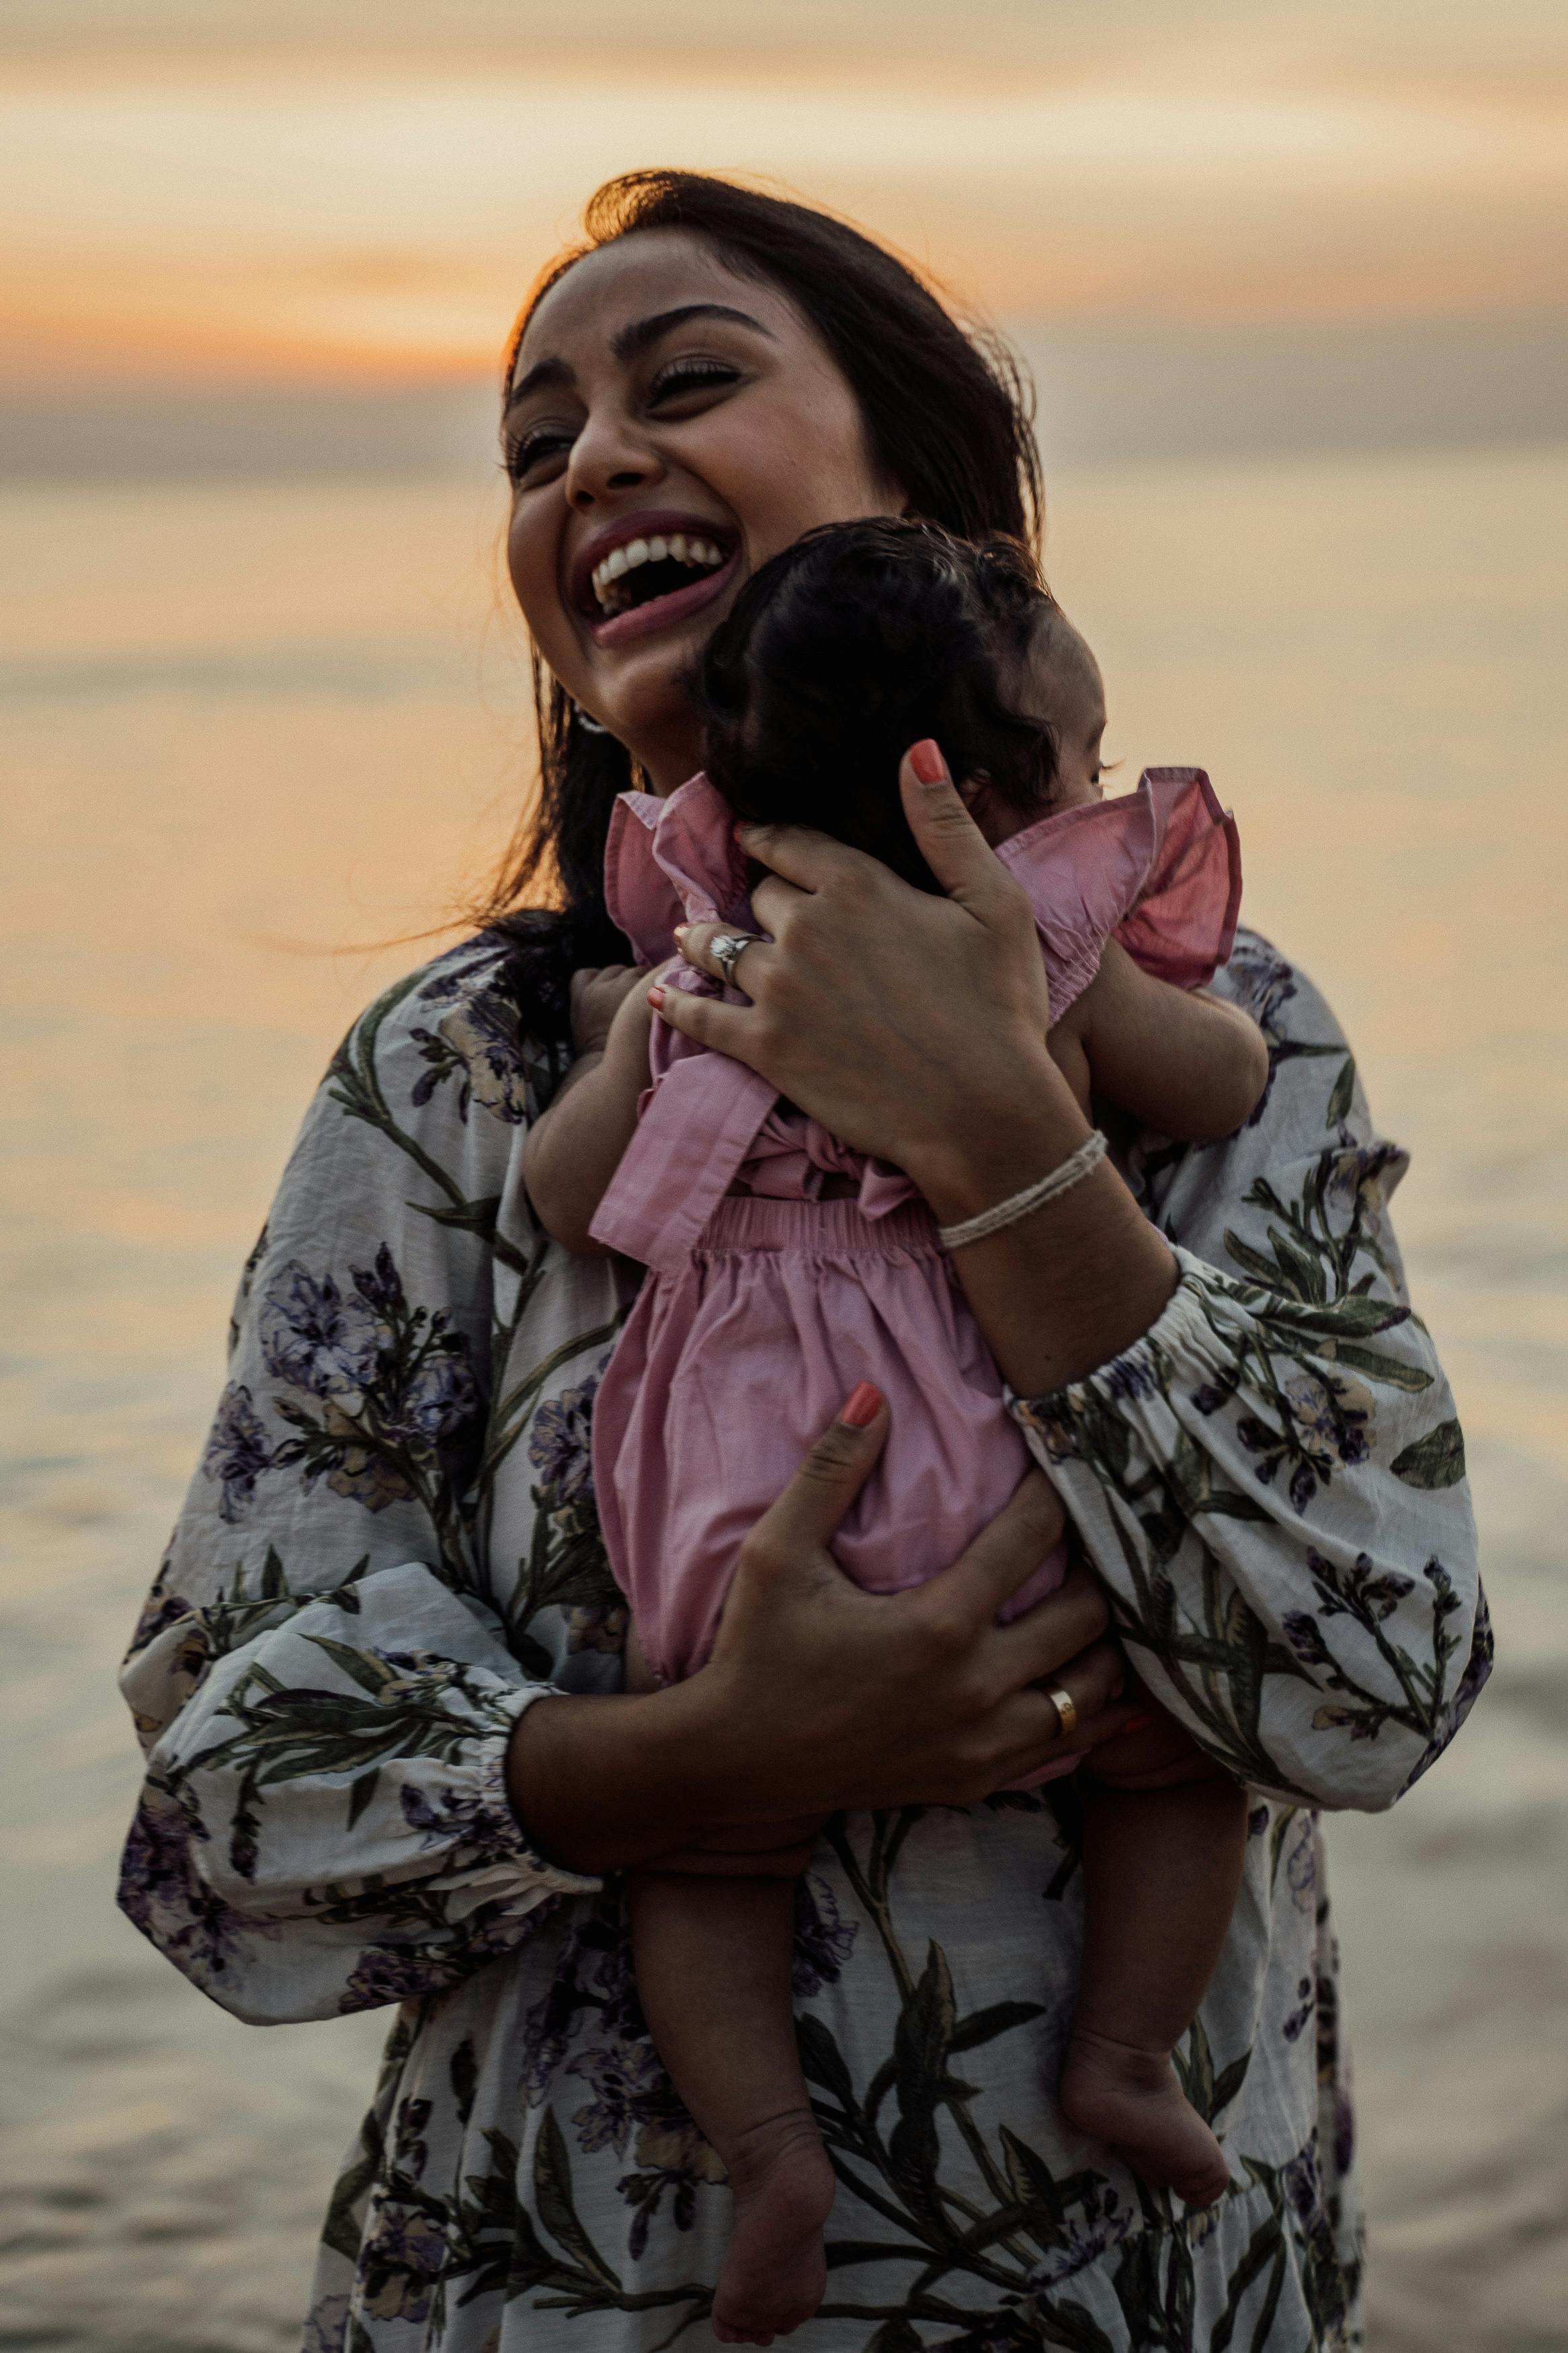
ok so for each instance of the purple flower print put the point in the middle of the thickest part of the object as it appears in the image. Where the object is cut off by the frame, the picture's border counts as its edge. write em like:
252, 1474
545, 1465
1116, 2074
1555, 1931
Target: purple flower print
387, 1973
400, 2262
161, 1893
237, 1451
1333, 1415
1301, 1868
560, 1444
1131, 1377
1301, 1633
1265, 982
824, 1939
313, 1338
479, 1037
630, 2088
380, 1286
441, 1395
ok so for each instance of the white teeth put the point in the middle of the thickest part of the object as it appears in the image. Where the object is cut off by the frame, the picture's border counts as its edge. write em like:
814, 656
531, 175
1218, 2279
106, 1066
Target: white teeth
659, 549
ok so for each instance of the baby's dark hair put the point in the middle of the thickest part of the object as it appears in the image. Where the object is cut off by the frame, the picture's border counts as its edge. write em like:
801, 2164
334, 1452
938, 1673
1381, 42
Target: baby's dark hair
855, 642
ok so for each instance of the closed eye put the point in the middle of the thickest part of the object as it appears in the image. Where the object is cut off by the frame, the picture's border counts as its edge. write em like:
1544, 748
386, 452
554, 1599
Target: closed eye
691, 375
526, 452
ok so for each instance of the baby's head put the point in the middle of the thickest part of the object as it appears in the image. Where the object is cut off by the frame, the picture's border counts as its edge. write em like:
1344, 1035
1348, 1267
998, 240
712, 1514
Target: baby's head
1065, 686
863, 637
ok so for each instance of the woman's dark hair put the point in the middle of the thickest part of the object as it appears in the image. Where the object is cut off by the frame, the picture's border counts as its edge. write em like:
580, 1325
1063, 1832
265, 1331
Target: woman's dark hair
853, 643
948, 415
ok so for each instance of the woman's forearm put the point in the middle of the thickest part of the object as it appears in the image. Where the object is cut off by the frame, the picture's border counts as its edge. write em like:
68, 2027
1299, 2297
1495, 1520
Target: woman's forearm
1072, 1285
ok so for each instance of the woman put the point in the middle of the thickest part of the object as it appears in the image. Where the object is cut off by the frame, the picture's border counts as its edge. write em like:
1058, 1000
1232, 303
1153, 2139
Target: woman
380, 1673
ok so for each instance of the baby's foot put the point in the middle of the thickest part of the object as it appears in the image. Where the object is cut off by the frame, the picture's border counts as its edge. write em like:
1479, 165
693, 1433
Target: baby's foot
774, 2275
1132, 2098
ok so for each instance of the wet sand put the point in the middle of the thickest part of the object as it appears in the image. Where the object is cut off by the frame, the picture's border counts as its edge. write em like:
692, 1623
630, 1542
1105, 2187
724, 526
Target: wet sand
242, 724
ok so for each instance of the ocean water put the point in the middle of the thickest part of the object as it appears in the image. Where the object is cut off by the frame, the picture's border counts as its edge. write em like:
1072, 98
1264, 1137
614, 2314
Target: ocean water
249, 734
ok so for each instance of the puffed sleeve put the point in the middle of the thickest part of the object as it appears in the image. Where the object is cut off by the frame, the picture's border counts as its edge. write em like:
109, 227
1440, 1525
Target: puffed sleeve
1272, 1482
322, 1679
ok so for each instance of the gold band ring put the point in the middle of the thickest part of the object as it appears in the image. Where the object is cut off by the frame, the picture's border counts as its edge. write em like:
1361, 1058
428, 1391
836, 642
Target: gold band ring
1066, 1714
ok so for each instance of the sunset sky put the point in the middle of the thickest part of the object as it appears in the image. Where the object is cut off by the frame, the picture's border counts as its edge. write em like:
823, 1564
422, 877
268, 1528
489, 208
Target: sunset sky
269, 192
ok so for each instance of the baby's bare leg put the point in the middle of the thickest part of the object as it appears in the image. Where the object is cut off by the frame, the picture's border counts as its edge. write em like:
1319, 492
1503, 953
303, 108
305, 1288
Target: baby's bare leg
713, 1958
1164, 1846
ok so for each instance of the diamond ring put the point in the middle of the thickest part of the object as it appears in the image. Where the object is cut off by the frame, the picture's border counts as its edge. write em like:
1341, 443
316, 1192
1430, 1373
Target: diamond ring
727, 949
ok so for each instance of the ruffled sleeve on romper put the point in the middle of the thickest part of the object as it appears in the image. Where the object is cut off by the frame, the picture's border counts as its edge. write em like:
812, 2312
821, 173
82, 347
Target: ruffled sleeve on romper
1159, 868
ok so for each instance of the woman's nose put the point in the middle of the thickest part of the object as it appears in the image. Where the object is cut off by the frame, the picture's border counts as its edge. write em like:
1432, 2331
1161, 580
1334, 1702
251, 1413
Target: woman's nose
607, 457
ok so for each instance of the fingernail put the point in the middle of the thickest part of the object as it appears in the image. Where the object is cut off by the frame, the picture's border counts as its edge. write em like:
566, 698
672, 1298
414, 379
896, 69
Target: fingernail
656, 999
736, 830
926, 760
681, 930
1138, 1723
861, 1405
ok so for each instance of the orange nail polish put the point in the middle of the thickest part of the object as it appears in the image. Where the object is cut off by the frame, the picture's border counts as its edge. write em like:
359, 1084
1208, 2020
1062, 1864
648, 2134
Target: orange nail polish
656, 999
861, 1405
926, 760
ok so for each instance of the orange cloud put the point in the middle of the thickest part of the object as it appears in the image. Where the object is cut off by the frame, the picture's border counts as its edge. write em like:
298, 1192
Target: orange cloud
304, 217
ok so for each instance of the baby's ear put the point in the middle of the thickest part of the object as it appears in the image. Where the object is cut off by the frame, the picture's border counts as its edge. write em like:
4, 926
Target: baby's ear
993, 816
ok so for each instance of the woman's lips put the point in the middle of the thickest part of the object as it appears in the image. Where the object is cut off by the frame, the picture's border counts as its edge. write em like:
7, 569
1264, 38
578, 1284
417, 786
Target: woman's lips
664, 612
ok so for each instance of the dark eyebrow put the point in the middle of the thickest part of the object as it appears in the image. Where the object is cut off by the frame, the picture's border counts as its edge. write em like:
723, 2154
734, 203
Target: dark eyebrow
631, 340
628, 343
547, 375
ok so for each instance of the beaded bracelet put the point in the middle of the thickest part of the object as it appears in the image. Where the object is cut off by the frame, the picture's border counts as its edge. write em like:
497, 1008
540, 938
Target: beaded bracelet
1072, 1171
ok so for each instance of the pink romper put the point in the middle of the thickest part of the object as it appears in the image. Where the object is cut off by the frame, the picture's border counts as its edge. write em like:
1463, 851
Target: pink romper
762, 1310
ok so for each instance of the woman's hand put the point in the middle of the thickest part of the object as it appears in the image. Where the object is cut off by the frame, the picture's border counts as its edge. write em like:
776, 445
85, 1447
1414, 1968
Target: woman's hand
914, 1026
911, 1026
901, 1698
820, 1696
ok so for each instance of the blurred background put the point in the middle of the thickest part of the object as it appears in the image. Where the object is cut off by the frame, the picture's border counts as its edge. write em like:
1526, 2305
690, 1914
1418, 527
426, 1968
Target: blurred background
1293, 278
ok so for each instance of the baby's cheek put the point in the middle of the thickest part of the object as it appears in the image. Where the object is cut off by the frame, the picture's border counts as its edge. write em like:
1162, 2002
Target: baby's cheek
1074, 786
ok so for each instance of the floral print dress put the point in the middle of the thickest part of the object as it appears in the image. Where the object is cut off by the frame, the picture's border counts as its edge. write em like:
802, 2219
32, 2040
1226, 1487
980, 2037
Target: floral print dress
390, 1550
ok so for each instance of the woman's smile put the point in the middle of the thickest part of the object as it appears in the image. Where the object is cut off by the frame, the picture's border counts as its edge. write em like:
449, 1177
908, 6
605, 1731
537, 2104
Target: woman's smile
648, 570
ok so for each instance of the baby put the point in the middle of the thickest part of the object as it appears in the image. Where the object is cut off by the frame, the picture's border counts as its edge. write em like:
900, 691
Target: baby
787, 1273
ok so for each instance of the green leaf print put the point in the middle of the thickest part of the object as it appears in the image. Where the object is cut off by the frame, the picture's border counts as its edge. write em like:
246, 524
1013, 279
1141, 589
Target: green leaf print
553, 2191
1436, 1461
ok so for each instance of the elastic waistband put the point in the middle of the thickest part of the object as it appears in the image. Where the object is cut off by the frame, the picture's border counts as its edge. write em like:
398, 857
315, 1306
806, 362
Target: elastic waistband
750, 1222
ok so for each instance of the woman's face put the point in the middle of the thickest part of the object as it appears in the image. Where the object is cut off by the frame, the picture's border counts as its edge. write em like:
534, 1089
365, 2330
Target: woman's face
669, 428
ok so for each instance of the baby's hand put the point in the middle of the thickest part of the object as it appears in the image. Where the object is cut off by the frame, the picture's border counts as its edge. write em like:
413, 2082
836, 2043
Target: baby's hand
597, 994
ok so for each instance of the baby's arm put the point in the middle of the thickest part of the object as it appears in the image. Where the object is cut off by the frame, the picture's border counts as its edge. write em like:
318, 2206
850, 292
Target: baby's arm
573, 1150
1180, 1061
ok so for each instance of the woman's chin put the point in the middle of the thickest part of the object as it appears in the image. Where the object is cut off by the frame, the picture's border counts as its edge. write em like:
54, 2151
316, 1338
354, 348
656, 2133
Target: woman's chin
650, 713
640, 693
